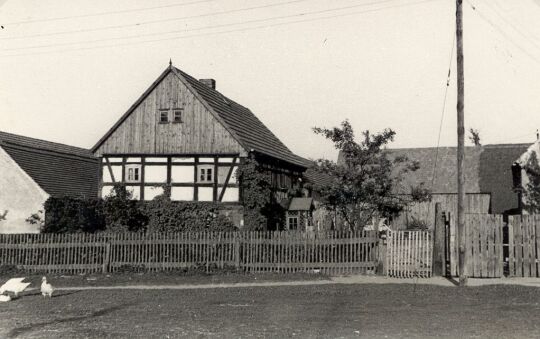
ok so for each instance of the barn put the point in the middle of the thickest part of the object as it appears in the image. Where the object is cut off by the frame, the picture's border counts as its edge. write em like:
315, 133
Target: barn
33, 170
489, 184
184, 135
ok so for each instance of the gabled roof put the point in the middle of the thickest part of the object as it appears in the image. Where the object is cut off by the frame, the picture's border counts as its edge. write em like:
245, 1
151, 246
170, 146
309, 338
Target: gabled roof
57, 168
243, 125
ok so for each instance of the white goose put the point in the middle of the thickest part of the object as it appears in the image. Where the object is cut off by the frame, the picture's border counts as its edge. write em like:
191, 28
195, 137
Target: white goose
46, 288
14, 285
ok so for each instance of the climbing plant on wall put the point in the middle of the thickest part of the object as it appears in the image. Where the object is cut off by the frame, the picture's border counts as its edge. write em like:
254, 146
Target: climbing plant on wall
256, 194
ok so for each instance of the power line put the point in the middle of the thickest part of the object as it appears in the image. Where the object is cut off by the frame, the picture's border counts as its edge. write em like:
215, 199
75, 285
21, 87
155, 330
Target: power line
503, 33
224, 25
149, 22
443, 110
514, 27
105, 13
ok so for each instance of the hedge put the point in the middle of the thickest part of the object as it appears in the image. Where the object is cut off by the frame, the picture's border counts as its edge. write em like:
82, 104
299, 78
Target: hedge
118, 213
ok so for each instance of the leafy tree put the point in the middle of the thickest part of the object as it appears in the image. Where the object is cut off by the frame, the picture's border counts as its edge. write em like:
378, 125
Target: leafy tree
531, 193
364, 181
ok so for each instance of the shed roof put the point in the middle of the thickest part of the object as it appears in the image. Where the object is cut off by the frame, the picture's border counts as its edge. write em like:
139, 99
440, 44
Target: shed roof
57, 168
243, 125
301, 204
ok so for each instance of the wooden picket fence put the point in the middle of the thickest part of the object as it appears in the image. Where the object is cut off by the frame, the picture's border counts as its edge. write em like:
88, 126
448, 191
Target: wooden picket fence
409, 254
524, 246
334, 252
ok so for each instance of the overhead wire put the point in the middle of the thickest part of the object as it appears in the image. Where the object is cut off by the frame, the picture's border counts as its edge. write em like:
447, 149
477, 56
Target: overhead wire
224, 32
243, 22
23, 22
531, 38
502, 32
161, 20
448, 78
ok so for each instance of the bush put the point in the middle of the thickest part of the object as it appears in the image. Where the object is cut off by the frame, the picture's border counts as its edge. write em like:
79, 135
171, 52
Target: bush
70, 215
123, 214
165, 215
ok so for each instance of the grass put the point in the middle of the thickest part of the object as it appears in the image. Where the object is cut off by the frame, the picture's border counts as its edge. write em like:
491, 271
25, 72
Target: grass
326, 311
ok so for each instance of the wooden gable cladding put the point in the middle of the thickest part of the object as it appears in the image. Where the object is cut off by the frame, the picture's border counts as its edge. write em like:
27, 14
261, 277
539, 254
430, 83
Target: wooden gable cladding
142, 133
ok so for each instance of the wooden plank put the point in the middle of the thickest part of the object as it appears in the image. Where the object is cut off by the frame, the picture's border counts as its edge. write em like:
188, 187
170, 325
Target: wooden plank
518, 245
511, 247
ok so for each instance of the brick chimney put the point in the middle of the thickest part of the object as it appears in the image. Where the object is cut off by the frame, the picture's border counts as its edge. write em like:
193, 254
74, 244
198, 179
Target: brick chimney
208, 82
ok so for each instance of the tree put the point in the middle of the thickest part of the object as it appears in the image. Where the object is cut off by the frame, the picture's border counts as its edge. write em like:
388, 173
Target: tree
474, 137
531, 193
365, 180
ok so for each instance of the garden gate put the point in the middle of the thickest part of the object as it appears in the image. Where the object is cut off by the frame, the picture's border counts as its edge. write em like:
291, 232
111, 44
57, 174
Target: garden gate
409, 254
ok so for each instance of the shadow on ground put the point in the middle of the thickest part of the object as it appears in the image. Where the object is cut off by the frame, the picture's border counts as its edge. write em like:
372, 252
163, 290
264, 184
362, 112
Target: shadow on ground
32, 327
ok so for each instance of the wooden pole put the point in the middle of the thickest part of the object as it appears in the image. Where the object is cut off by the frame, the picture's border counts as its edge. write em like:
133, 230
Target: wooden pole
461, 143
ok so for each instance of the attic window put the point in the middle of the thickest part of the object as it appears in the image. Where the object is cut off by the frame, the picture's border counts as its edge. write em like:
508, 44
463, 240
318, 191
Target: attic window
177, 116
163, 117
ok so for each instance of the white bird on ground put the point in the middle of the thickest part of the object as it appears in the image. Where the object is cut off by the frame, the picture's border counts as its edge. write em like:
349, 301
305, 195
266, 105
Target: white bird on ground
4, 298
46, 288
14, 285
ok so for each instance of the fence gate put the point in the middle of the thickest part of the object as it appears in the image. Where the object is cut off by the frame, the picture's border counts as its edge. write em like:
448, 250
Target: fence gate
409, 254
484, 245
524, 246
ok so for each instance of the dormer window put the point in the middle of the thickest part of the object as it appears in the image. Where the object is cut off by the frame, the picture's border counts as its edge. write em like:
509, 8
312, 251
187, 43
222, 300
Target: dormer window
163, 117
177, 117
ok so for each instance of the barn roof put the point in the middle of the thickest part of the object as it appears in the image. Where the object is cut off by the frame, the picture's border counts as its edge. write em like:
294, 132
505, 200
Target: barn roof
57, 168
488, 169
243, 125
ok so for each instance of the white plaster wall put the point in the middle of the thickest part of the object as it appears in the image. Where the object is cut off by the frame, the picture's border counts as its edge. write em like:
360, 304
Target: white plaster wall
20, 195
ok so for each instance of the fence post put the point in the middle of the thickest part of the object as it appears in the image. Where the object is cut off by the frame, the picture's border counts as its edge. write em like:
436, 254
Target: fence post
107, 257
438, 243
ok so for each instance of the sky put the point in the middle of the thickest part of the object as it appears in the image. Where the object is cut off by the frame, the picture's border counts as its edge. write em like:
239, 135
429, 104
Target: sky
70, 69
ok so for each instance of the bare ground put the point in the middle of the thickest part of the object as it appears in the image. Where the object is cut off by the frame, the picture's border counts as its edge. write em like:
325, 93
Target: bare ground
335, 310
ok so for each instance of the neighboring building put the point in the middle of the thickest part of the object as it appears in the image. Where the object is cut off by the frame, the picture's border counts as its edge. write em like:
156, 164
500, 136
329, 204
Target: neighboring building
33, 170
184, 134
488, 178
489, 184
299, 216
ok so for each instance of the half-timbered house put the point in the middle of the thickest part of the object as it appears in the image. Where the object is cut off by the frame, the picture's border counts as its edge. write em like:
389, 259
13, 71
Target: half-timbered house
184, 134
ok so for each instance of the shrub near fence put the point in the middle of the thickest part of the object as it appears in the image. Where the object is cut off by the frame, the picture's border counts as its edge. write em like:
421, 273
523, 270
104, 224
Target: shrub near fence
326, 252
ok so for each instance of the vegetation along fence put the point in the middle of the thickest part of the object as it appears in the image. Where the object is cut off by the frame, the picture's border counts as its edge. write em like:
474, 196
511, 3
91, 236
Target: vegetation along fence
409, 254
333, 252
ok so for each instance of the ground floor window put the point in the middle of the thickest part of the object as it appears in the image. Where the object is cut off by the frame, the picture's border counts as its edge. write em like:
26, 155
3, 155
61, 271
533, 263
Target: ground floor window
293, 223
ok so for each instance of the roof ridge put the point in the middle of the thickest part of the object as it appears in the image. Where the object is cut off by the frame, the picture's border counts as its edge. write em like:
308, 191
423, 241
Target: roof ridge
41, 140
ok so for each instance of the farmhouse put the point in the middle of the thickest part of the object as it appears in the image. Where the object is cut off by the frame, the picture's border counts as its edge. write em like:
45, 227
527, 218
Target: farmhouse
185, 135
33, 170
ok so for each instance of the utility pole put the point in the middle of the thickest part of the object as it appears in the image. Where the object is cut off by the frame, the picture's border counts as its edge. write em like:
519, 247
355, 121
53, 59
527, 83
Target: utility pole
461, 143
